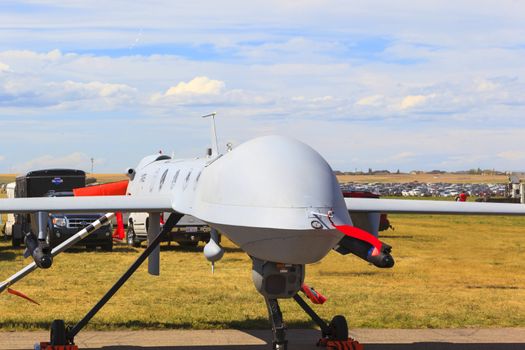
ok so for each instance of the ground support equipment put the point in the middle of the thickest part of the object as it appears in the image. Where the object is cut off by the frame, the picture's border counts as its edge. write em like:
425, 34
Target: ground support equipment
47, 346
86, 231
335, 334
348, 344
63, 337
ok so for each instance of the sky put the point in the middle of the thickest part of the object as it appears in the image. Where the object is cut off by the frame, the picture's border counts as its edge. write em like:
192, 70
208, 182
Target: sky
409, 85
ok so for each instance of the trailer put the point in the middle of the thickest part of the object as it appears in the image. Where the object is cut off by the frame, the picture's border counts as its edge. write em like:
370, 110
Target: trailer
55, 183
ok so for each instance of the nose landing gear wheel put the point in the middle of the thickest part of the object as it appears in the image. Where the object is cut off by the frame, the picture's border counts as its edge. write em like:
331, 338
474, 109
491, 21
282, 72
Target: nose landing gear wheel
339, 328
58, 333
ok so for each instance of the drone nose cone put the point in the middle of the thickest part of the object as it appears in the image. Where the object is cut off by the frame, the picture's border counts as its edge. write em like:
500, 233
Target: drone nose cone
271, 173
264, 195
276, 171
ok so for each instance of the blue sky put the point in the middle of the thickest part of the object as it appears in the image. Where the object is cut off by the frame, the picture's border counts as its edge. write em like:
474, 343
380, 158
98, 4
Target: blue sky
369, 84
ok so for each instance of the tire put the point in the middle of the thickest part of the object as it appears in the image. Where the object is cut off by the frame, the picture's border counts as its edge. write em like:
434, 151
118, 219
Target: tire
131, 237
50, 238
58, 333
16, 242
108, 247
339, 328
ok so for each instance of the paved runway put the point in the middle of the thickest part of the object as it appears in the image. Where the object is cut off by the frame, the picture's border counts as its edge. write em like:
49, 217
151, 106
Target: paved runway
374, 339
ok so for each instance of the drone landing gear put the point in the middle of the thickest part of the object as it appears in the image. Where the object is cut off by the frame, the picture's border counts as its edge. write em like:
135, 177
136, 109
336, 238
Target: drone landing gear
62, 337
278, 328
58, 339
334, 335
283, 281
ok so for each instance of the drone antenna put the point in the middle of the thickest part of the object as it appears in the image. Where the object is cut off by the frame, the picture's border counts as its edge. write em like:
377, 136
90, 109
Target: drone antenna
214, 143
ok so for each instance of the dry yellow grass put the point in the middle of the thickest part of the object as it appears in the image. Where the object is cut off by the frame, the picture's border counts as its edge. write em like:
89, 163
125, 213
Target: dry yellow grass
451, 272
426, 178
104, 178
6, 178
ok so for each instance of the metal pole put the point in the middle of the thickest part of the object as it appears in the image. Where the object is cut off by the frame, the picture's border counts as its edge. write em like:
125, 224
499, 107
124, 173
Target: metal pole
153, 232
318, 320
86, 231
172, 221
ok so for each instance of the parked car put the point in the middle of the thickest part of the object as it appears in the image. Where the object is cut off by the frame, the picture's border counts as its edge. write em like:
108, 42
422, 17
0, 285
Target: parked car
188, 232
63, 226
55, 183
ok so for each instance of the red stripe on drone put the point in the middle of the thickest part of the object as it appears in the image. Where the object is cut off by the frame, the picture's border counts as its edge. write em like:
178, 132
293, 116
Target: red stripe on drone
355, 232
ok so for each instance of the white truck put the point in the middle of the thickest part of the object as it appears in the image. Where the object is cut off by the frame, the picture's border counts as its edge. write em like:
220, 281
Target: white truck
188, 232
10, 221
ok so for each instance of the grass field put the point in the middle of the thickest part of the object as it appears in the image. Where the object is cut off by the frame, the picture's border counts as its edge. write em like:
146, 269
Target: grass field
450, 272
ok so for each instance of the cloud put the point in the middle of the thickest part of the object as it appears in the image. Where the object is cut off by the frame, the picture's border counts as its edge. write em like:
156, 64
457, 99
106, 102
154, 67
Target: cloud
206, 92
197, 86
74, 160
512, 155
374, 100
4, 67
417, 68
486, 85
2, 158
403, 156
108, 93
412, 101
27, 92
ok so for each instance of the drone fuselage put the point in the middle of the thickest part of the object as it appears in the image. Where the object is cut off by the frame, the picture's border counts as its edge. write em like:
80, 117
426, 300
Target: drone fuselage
268, 196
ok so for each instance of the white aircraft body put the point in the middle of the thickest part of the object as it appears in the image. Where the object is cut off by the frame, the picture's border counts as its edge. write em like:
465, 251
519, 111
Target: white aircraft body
275, 197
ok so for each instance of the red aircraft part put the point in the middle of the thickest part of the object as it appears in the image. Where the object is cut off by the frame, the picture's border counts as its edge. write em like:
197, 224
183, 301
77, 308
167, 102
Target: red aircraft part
356, 232
349, 344
47, 346
21, 295
118, 188
119, 232
314, 296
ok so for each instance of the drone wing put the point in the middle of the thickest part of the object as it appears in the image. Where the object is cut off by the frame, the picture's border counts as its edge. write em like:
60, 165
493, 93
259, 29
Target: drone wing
372, 205
95, 204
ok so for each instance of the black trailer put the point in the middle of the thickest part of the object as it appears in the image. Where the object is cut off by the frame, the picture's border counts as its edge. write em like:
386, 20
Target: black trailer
52, 183
37, 184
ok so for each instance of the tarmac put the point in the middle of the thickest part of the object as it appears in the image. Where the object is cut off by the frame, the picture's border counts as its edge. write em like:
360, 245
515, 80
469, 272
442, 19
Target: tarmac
299, 339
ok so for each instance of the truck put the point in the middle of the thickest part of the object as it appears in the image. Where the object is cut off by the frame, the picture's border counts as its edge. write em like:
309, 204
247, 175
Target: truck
384, 223
60, 227
10, 218
188, 232
54, 183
